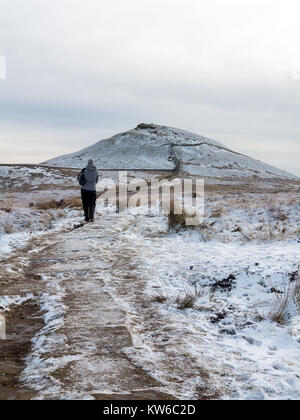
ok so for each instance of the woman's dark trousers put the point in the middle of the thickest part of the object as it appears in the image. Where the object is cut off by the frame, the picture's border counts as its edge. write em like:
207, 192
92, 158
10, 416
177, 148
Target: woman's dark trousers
89, 204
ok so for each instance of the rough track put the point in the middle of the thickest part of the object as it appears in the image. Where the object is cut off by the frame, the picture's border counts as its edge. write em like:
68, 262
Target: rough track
90, 355
88, 317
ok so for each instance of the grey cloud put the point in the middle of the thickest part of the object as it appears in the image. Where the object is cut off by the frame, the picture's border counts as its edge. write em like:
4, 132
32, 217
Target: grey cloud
94, 68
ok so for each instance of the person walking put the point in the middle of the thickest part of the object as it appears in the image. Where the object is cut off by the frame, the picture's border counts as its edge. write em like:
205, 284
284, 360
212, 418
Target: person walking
88, 179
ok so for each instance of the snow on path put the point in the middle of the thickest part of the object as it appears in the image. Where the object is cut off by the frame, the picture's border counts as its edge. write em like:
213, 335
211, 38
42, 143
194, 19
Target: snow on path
243, 358
104, 335
80, 353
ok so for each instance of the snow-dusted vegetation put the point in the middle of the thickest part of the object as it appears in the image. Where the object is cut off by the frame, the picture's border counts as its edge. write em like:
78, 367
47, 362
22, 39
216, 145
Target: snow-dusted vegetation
33, 200
140, 304
225, 297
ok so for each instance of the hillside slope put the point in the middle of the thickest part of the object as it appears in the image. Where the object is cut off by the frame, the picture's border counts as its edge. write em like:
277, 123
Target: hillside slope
156, 147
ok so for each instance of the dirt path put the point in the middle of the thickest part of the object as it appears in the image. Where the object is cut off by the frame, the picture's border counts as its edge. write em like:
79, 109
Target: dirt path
22, 323
89, 328
79, 333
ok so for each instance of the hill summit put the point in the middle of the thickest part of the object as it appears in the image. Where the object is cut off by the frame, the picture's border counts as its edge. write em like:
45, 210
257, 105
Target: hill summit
156, 147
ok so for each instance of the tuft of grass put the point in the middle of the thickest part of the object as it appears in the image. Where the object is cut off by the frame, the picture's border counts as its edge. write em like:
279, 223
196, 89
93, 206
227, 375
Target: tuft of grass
217, 213
279, 314
176, 216
179, 217
296, 292
9, 228
282, 300
186, 301
160, 298
282, 217
176, 222
259, 317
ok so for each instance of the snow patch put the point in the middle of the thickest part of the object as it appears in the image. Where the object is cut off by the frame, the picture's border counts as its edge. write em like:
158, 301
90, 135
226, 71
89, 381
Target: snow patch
148, 147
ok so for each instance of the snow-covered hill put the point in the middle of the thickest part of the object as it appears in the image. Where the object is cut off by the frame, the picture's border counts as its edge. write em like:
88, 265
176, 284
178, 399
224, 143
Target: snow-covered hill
158, 147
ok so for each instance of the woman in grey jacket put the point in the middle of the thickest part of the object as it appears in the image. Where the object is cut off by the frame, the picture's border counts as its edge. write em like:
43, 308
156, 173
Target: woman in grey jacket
88, 179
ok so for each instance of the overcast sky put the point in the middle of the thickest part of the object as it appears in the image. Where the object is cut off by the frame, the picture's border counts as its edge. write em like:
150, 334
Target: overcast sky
80, 71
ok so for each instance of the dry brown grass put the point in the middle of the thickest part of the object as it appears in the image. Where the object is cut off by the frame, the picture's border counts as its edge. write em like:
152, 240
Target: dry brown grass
188, 300
179, 217
282, 300
9, 228
297, 294
176, 222
281, 216
73, 202
160, 298
7, 203
259, 217
295, 279
6, 209
279, 313
48, 205
218, 212
185, 300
